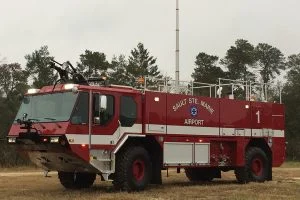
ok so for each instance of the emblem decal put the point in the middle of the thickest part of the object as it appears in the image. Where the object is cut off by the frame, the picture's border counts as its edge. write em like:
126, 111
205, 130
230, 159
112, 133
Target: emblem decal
194, 111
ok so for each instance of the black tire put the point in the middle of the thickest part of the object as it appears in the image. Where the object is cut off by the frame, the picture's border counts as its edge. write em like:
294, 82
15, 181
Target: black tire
200, 174
71, 180
133, 169
256, 167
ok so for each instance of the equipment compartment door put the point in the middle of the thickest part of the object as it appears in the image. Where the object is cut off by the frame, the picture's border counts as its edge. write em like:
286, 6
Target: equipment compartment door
155, 113
261, 119
178, 153
256, 119
235, 118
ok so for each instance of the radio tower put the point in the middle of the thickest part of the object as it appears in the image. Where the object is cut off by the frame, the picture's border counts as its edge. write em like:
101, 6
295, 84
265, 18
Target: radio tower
177, 44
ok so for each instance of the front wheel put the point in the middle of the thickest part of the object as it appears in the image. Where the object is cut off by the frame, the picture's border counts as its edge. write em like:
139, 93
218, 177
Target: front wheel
71, 180
133, 169
256, 166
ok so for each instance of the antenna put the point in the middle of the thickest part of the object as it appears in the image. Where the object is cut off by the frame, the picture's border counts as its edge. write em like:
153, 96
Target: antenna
177, 44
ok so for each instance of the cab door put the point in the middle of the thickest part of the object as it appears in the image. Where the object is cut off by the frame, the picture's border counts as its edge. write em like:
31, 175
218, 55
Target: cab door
104, 118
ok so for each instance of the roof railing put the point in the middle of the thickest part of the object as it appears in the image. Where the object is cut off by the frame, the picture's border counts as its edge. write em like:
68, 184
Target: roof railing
246, 90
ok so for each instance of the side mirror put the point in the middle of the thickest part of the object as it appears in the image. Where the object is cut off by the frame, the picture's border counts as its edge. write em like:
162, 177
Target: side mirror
100, 108
103, 102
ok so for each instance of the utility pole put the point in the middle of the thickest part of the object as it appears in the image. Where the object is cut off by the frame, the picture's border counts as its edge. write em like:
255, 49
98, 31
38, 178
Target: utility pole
177, 44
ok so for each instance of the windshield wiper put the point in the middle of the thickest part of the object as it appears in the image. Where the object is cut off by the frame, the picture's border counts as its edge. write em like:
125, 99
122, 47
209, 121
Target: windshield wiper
32, 119
39, 123
53, 119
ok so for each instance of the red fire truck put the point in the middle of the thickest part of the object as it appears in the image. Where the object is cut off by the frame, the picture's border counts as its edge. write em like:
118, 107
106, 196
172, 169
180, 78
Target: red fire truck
129, 135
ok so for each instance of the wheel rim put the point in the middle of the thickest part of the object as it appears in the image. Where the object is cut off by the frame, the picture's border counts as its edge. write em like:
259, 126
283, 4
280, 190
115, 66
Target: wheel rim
138, 169
257, 166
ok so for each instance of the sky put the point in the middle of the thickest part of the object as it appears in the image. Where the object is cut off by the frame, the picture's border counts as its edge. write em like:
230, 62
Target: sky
115, 27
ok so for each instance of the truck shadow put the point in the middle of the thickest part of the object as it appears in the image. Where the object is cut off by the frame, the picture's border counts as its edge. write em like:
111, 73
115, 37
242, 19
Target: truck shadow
110, 189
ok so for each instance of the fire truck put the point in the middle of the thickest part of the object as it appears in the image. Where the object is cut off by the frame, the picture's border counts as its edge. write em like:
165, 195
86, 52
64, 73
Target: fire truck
82, 128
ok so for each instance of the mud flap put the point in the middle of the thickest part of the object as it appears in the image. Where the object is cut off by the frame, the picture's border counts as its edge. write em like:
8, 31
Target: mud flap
156, 170
217, 174
270, 173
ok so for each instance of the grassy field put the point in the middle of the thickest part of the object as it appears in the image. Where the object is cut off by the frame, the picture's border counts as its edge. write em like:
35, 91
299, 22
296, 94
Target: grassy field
291, 164
286, 185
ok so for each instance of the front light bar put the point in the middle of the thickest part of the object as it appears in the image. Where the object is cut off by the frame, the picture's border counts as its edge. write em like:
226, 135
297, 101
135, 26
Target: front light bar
40, 140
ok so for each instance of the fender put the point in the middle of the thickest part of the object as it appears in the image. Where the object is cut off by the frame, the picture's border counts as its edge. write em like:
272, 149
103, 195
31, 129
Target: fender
124, 139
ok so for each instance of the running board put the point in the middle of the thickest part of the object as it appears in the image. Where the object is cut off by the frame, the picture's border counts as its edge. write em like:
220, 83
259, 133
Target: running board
104, 161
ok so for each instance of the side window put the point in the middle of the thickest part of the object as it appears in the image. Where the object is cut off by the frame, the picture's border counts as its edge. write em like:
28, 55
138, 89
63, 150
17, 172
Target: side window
103, 109
81, 111
128, 112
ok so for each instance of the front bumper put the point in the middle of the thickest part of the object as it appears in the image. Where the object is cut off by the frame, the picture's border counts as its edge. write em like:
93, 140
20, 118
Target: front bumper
50, 152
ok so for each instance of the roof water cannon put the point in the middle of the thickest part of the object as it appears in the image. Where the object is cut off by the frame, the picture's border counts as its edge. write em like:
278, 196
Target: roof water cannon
67, 73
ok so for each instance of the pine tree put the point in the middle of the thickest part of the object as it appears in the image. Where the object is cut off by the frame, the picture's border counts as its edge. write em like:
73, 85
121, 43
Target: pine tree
119, 74
37, 67
239, 59
291, 98
141, 64
270, 61
93, 64
206, 70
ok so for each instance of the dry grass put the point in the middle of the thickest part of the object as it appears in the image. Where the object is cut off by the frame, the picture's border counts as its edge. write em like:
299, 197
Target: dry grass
176, 186
291, 164
20, 169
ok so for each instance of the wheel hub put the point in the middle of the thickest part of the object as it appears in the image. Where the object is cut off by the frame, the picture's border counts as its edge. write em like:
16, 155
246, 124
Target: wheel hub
257, 166
138, 169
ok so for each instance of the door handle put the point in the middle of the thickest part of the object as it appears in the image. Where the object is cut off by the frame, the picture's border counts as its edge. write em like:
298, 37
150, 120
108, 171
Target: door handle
119, 128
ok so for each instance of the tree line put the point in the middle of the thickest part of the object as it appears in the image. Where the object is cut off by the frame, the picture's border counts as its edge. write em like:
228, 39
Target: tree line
243, 61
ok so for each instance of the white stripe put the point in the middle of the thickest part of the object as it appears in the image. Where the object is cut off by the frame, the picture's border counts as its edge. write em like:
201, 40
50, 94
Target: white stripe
155, 128
214, 131
192, 130
104, 139
278, 133
176, 130
257, 132
239, 132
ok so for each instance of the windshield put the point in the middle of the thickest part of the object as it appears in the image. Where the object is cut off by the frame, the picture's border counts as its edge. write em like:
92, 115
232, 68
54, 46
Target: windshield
48, 107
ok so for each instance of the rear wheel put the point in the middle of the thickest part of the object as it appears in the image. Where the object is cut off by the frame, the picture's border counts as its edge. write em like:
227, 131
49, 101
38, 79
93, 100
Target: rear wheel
133, 169
71, 180
200, 174
256, 166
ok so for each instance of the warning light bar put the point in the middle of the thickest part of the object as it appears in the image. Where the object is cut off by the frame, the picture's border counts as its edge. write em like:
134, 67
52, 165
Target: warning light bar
70, 86
33, 91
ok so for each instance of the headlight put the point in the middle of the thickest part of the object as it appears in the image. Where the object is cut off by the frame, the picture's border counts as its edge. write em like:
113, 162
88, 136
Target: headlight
12, 140
54, 140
